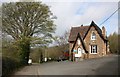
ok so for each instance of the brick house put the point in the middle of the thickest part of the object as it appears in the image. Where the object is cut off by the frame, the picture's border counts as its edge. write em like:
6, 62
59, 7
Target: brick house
87, 42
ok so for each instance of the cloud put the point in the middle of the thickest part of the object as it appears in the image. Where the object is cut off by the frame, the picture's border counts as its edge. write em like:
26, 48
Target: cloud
112, 24
96, 11
64, 12
79, 0
76, 13
9, 0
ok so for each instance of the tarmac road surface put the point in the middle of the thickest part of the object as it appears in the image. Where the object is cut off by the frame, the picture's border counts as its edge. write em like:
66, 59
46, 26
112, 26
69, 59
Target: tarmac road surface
0, 64
107, 65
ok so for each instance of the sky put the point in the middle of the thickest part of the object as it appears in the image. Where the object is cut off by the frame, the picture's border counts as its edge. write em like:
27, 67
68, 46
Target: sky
71, 13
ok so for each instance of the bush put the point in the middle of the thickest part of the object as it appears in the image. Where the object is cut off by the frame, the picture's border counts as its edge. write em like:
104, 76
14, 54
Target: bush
9, 65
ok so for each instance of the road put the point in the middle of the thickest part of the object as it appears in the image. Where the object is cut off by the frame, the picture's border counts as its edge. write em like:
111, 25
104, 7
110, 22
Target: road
0, 64
107, 65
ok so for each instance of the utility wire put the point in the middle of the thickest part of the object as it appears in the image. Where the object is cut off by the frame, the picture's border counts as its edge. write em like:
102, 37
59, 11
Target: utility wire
110, 16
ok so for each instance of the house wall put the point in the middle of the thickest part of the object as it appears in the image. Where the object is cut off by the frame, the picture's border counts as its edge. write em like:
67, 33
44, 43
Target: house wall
70, 48
84, 55
101, 47
79, 46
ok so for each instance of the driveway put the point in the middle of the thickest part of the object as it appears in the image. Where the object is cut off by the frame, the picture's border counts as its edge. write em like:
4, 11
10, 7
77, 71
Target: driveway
107, 65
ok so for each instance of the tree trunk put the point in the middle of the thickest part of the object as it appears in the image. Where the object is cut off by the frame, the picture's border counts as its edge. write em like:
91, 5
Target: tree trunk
41, 57
24, 51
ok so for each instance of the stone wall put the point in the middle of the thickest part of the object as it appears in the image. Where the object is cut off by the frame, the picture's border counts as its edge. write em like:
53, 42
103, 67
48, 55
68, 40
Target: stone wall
101, 45
101, 48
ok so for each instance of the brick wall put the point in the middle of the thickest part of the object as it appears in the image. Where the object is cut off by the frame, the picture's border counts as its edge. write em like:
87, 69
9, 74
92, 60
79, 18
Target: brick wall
70, 48
99, 42
101, 45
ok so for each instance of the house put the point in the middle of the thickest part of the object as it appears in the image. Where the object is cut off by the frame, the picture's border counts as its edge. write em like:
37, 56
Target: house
87, 42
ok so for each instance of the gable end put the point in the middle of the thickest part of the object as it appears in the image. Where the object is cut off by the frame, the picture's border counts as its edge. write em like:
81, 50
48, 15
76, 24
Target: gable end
97, 29
82, 42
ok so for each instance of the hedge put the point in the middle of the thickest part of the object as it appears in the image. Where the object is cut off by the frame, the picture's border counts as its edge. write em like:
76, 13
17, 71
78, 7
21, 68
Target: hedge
9, 66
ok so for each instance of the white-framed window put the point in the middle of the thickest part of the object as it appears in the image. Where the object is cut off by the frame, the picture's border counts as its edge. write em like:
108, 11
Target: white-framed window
93, 36
93, 49
78, 41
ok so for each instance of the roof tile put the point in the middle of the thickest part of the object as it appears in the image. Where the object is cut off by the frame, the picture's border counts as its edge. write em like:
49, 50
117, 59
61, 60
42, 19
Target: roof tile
75, 30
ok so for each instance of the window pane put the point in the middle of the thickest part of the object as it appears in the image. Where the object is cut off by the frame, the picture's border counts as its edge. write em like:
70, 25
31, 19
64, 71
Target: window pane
93, 36
93, 48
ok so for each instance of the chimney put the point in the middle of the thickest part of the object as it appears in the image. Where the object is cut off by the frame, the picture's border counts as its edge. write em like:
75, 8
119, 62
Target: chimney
82, 25
103, 31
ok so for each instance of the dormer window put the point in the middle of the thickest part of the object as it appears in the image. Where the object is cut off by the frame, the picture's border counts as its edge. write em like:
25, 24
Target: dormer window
93, 36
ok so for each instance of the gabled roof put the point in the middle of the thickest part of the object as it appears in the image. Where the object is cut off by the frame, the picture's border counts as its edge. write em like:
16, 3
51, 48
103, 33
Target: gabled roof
75, 30
83, 30
97, 29
82, 42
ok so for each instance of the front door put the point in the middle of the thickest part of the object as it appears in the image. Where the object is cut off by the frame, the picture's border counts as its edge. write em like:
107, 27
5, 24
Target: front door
79, 52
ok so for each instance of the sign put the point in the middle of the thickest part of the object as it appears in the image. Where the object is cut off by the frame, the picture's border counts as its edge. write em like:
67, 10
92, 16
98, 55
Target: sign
30, 61
74, 50
45, 59
77, 55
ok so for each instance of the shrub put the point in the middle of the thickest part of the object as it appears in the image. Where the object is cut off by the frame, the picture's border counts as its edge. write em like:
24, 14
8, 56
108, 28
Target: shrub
9, 65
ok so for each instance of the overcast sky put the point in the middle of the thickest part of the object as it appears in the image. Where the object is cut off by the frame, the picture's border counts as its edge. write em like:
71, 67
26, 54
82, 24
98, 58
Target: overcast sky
77, 12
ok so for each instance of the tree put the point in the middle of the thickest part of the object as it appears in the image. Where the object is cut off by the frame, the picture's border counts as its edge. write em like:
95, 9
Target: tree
62, 40
113, 42
0, 30
28, 23
37, 54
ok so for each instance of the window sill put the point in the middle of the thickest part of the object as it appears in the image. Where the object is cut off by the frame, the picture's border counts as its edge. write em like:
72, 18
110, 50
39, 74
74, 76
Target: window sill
93, 39
93, 53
